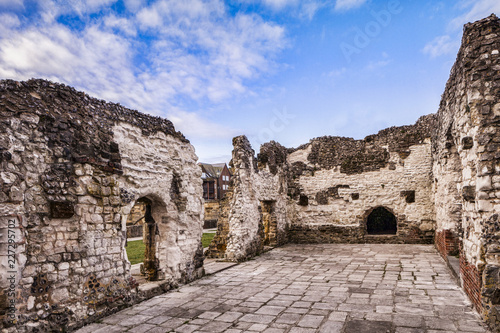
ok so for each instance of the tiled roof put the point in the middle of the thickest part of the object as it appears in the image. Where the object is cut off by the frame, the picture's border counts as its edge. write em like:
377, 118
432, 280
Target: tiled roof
212, 170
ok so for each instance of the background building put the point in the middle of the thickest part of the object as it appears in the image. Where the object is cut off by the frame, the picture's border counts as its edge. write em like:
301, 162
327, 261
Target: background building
216, 179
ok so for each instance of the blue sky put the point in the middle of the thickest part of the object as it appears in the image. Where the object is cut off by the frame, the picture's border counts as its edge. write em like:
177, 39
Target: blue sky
284, 70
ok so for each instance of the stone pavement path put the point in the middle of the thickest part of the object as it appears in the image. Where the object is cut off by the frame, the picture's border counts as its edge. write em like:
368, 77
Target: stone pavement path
312, 288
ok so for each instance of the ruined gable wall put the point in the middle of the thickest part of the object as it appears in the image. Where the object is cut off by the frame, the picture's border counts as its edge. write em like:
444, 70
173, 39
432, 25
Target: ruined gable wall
466, 151
72, 167
253, 213
336, 182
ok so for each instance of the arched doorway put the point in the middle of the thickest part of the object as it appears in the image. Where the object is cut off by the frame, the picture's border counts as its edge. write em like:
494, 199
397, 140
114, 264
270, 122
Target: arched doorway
381, 222
142, 216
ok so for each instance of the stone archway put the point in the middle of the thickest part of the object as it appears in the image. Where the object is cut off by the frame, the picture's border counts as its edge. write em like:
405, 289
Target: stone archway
381, 221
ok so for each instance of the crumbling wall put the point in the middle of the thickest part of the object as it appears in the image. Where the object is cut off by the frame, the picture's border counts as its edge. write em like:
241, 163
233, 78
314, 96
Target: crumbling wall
466, 154
253, 213
72, 168
325, 191
336, 183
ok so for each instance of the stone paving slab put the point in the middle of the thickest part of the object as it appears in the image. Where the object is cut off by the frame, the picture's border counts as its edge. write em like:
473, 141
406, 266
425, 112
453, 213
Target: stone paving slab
344, 288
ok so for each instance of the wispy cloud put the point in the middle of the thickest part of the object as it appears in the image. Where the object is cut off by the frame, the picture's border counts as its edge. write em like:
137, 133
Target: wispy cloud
344, 5
168, 55
11, 4
279, 4
441, 45
193, 125
335, 74
374, 65
134, 5
7, 23
295, 8
475, 10
309, 9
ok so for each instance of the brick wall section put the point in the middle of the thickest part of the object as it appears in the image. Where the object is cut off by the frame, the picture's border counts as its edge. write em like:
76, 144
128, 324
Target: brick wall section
446, 243
471, 282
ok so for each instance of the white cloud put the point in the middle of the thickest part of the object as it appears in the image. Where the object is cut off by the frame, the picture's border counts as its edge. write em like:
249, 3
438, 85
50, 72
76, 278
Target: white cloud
203, 53
11, 4
302, 9
50, 10
309, 9
8, 22
344, 5
441, 45
476, 10
279, 4
134, 5
193, 125
121, 24
196, 53
374, 65
473, 10
149, 18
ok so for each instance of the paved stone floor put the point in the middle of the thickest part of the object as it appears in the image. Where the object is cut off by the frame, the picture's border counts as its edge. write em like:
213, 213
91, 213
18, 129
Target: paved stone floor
312, 288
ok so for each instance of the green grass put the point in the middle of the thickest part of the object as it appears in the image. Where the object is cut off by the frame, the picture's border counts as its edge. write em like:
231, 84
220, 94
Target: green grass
135, 251
207, 238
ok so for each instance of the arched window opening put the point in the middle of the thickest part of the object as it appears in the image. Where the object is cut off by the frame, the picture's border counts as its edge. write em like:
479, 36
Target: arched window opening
381, 222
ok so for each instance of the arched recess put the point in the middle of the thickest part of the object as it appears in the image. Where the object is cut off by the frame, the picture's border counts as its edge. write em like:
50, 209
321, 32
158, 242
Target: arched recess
381, 221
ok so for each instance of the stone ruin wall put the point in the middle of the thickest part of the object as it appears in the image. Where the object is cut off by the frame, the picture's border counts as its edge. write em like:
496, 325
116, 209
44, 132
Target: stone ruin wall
72, 168
253, 211
467, 170
324, 191
337, 182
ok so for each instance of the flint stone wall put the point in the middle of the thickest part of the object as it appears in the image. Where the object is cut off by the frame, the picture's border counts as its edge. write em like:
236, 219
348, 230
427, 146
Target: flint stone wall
317, 194
466, 152
72, 167
337, 182
241, 232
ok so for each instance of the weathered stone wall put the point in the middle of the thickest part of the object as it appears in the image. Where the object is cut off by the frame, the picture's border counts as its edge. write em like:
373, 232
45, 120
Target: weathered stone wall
467, 170
337, 182
253, 213
324, 191
212, 211
72, 168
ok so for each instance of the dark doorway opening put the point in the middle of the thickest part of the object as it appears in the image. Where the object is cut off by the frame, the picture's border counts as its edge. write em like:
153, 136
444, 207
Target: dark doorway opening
381, 222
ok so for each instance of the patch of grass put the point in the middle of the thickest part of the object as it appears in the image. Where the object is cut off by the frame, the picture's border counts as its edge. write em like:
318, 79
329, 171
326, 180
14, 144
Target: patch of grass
206, 238
135, 251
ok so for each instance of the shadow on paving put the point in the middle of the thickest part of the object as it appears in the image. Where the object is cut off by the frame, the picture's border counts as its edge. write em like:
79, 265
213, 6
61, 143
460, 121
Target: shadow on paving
345, 288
